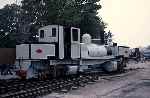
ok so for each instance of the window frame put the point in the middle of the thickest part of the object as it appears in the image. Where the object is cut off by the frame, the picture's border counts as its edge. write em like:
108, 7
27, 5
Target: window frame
75, 35
72, 35
54, 34
42, 34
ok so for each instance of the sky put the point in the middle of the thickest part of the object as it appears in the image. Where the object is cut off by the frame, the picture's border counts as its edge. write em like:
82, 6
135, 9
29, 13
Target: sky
128, 20
4, 2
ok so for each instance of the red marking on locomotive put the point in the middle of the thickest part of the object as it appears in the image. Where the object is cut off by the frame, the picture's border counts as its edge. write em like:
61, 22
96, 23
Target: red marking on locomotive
39, 51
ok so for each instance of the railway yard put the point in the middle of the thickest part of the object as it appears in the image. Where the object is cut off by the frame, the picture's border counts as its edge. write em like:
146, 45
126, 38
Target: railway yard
134, 82
63, 66
64, 49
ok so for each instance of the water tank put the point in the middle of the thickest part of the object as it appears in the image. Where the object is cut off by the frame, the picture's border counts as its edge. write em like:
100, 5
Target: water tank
96, 50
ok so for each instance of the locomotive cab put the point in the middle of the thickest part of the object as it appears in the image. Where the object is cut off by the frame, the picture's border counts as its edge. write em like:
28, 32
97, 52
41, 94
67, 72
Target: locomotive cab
66, 40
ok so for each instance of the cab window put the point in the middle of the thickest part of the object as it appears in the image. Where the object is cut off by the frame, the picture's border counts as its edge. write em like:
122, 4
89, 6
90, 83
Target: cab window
75, 34
53, 32
41, 33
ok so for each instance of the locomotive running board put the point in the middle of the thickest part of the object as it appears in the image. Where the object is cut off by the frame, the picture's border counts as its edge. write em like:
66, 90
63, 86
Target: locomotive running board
83, 61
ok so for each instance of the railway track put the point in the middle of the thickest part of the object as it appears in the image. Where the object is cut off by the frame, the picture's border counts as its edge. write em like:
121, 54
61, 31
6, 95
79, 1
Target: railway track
33, 88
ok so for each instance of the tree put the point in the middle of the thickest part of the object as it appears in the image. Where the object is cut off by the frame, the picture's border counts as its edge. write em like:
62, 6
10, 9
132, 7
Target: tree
90, 22
78, 13
64, 12
33, 16
22, 22
8, 25
37, 13
34, 12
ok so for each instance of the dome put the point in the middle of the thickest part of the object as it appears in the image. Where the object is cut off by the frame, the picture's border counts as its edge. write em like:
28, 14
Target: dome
86, 38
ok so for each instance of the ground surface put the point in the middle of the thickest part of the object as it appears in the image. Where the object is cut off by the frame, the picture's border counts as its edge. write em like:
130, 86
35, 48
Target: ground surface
134, 84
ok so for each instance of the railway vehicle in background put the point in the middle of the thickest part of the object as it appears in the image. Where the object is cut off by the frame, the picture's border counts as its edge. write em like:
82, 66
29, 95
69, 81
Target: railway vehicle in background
146, 54
138, 54
124, 51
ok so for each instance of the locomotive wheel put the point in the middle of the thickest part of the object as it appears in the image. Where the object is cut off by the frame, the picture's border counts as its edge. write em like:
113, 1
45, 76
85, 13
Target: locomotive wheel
110, 66
58, 71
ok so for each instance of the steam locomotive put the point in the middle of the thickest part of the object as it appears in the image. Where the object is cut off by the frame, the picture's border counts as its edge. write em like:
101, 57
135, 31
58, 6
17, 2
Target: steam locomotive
62, 51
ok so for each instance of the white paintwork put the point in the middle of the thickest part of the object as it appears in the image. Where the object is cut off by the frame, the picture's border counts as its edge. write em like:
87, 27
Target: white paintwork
61, 42
75, 51
86, 38
92, 51
22, 51
47, 50
96, 50
75, 45
124, 51
84, 50
48, 34
72, 35
115, 51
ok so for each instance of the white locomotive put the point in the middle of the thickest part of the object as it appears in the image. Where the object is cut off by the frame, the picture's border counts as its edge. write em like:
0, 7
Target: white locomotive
60, 51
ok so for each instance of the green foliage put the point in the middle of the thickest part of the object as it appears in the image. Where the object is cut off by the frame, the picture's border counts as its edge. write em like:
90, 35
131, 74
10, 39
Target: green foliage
7, 42
34, 12
91, 23
8, 24
63, 12
79, 13
23, 22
